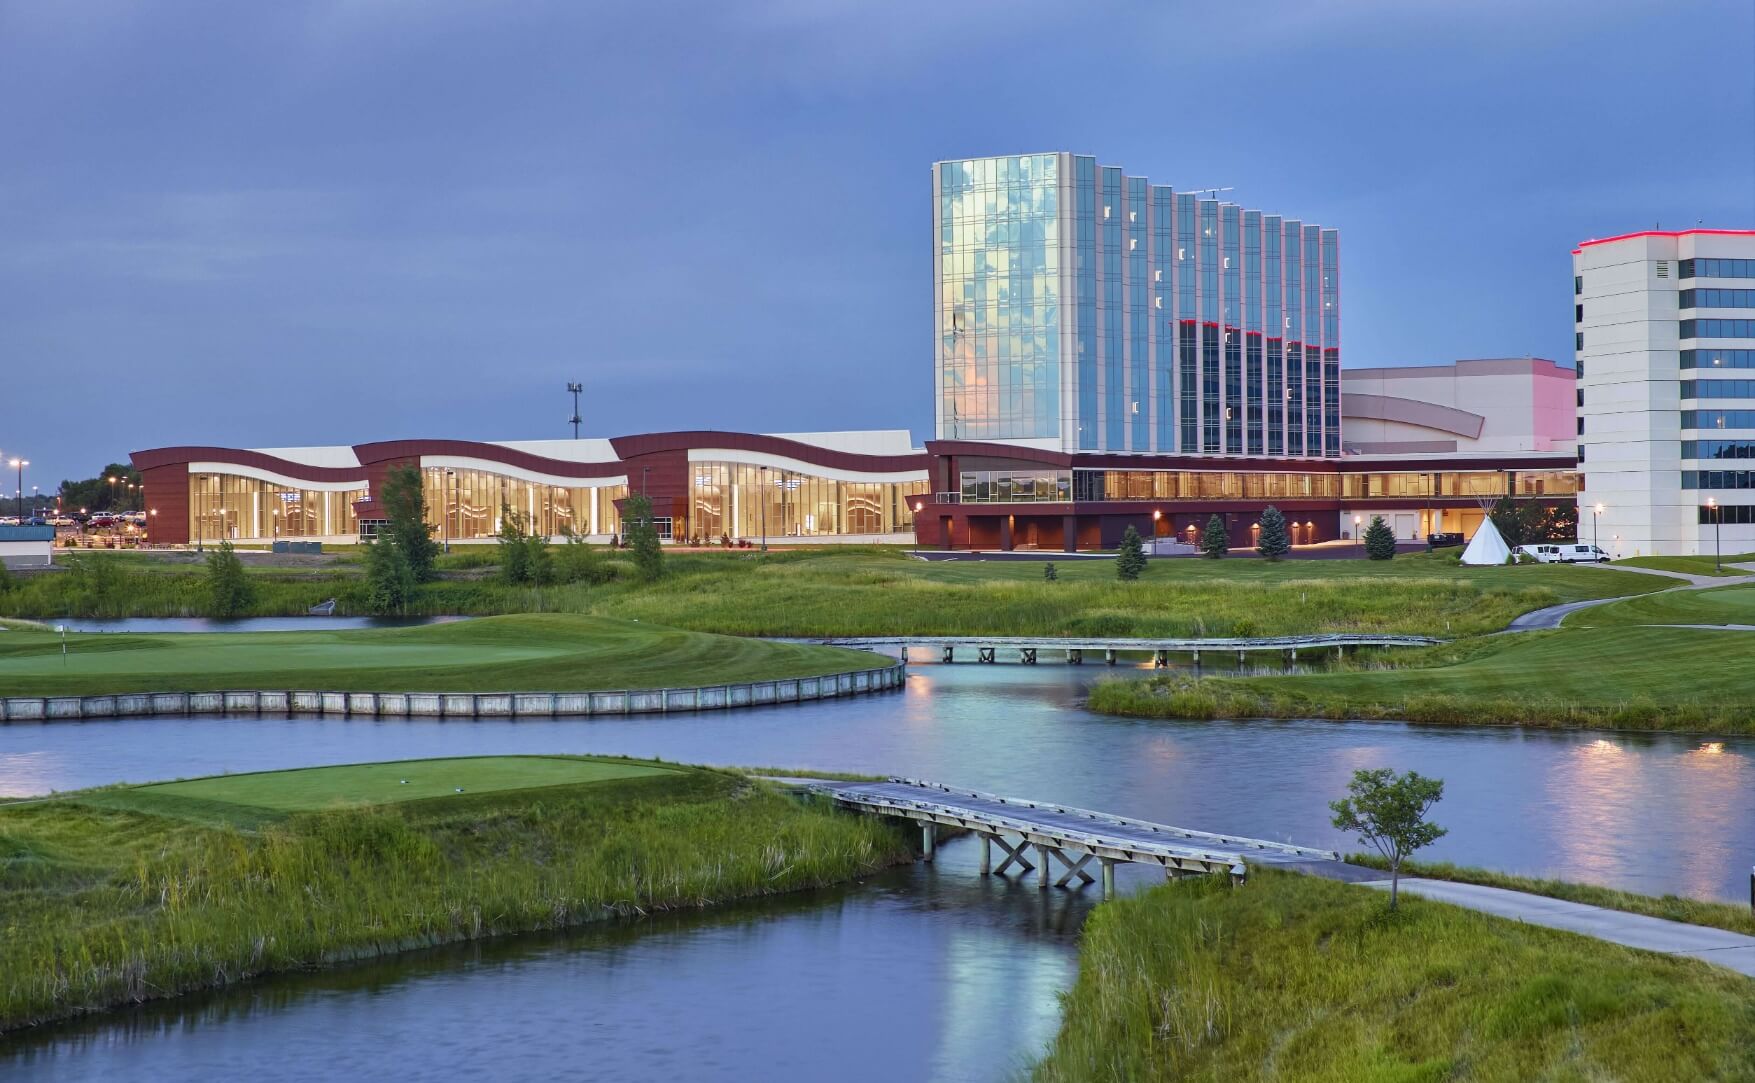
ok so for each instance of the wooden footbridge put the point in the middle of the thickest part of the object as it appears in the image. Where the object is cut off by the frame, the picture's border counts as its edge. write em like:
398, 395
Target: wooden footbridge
1029, 649
1073, 837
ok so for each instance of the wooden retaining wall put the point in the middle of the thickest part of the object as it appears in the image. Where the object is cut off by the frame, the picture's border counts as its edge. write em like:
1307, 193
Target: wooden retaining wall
454, 704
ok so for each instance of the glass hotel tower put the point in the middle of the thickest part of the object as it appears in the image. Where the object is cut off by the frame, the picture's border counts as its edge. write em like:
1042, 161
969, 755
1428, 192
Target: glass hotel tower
1080, 309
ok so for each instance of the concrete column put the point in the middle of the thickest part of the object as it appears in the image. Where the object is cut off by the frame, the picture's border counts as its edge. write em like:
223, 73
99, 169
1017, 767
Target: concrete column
986, 854
1042, 866
928, 839
1108, 878
1069, 533
1109, 656
1005, 533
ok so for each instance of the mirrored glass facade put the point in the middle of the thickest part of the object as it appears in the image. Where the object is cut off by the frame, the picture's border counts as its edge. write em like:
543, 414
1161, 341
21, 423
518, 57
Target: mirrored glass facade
1095, 311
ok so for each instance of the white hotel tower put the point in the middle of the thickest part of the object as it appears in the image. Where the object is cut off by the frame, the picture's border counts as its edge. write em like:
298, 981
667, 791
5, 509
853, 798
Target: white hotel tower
1665, 343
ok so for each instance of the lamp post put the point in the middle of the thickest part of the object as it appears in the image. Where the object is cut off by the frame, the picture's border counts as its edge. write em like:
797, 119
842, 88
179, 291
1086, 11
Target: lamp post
1596, 515
19, 465
1360, 538
1717, 550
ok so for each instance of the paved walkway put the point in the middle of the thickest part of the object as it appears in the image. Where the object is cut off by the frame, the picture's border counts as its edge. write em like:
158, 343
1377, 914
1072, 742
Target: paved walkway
1727, 949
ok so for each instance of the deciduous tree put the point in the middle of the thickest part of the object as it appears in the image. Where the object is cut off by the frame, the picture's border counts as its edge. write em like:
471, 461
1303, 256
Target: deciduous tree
1388, 813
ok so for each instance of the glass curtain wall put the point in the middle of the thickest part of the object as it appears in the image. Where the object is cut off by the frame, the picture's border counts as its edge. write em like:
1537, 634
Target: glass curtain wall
737, 500
230, 506
464, 504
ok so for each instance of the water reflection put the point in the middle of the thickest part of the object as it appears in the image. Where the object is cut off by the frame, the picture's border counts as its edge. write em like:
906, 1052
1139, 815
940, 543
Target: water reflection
923, 973
1649, 812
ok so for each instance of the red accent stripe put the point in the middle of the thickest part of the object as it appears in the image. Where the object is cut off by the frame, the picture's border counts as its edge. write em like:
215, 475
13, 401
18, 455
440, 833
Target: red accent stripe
1582, 245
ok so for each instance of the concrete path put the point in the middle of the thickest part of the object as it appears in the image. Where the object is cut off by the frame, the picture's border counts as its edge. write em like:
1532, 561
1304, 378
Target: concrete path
1727, 949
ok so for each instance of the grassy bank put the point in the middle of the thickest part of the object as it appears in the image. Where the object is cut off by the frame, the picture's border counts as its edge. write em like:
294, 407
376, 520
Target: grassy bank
125, 894
1621, 678
1296, 978
1717, 605
536, 652
878, 592
1695, 565
1738, 919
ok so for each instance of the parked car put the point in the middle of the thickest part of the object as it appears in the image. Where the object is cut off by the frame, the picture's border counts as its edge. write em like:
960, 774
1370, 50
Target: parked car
101, 520
1565, 553
8, 520
1444, 540
63, 520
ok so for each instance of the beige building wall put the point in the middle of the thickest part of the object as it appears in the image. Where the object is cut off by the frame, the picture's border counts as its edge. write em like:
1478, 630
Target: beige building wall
1487, 406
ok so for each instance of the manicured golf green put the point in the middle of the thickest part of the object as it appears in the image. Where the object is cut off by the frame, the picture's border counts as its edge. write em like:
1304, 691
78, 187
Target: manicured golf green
1694, 565
529, 652
1718, 605
392, 783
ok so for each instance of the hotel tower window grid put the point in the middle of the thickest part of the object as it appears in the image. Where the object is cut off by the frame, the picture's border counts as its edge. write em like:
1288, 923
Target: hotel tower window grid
1093, 311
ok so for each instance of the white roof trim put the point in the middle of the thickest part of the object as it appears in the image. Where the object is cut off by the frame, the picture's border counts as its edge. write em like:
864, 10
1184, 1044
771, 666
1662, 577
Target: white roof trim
273, 478
799, 466
339, 455
463, 462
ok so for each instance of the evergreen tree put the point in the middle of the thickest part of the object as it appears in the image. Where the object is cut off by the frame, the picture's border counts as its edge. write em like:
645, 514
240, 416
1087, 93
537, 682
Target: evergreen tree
389, 579
514, 553
1215, 542
229, 590
405, 522
1130, 561
1273, 543
1379, 539
1049, 573
642, 535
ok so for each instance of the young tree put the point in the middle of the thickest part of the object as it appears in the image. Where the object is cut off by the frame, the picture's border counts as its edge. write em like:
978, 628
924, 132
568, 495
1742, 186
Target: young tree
1049, 574
1130, 561
514, 553
1389, 814
405, 523
1273, 543
1215, 542
1509, 520
642, 535
229, 590
389, 579
1379, 539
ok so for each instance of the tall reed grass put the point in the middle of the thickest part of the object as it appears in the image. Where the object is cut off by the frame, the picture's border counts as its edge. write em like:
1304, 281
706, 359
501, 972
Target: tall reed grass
104, 907
1291, 977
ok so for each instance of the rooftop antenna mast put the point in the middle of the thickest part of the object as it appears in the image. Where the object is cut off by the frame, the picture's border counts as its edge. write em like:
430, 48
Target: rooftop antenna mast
574, 420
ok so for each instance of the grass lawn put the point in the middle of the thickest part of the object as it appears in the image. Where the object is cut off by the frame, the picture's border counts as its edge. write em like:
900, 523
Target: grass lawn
840, 591
124, 894
1695, 565
533, 652
1295, 978
1716, 605
1625, 677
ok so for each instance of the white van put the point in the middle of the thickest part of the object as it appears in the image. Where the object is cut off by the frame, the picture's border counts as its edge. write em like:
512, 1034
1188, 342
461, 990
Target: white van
1565, 553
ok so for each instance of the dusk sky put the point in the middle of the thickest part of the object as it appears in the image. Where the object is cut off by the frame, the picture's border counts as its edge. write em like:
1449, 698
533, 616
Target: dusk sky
255, 224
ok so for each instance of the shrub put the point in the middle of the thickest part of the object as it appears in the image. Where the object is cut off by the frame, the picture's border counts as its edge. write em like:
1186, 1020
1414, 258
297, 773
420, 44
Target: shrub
1216, 541
1273, 543
1131, 560
1048, 573
229, 590
578, 561
1379, 539
642, 535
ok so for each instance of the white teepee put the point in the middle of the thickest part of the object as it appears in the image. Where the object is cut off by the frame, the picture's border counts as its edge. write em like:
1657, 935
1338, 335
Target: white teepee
1486, 547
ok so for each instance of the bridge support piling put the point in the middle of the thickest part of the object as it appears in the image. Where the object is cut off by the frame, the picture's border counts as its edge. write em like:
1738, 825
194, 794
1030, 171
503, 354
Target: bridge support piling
986, 854
1019, 853
950, 654
1073, 868
1109, 656
928, 841
984, 654
1028, 655
1108, 879
1160, 659
1075, 657
1240, 660
904, 652
1042, 868
1197, 662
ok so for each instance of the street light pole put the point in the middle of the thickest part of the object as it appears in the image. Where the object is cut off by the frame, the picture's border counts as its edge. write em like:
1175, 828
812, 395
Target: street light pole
1712, 505
19, 465
1596, 515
